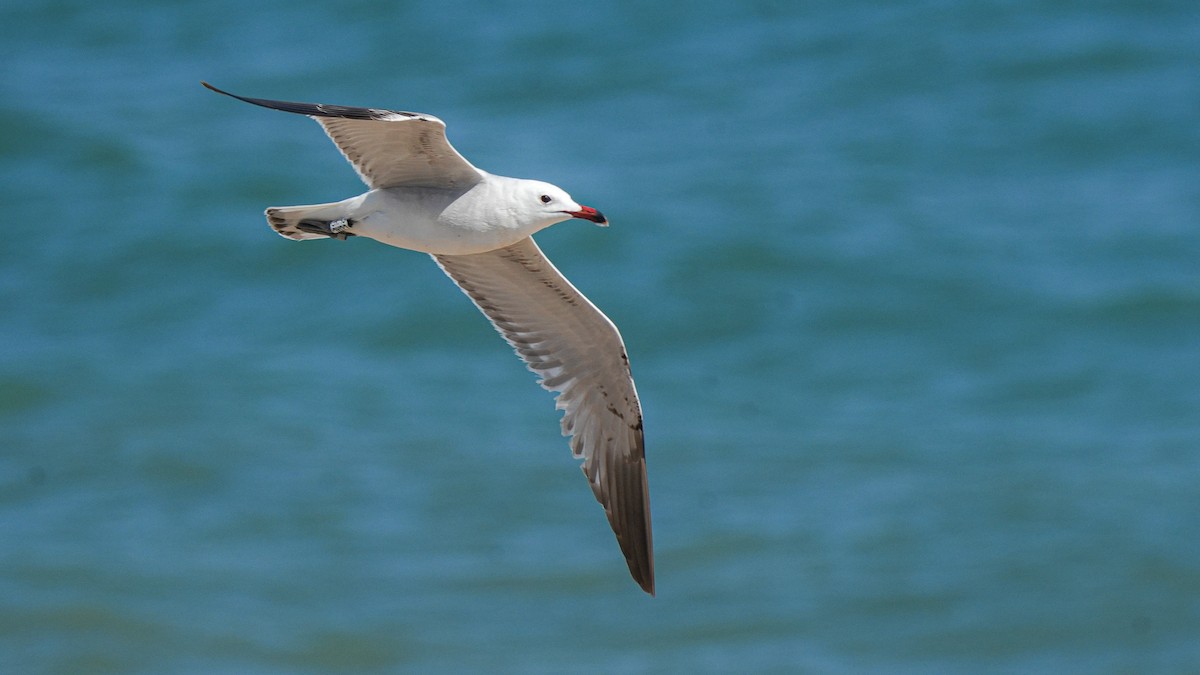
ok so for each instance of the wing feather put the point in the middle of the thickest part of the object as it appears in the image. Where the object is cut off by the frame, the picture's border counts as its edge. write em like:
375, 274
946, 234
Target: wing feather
576, 351
388, 148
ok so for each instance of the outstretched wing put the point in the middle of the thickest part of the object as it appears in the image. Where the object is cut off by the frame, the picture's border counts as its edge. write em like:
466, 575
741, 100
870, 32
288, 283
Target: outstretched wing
387, 148
578, 353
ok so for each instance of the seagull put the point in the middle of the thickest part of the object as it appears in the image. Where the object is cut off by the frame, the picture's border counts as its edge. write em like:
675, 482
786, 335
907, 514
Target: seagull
478, 227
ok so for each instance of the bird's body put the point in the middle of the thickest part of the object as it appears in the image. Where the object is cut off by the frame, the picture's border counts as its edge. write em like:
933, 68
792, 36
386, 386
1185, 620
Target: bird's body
438, 221
426, 197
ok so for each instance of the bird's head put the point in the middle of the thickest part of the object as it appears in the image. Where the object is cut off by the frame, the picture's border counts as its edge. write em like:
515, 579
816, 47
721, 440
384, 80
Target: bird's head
546, 202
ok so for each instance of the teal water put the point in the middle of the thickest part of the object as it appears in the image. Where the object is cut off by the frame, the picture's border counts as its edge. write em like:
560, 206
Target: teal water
911, 292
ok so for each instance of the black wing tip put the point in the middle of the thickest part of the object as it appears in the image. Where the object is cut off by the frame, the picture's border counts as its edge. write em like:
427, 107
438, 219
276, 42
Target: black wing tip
630, 521
285, 106
641, 564
278, 105
212, 87
646, 583
318, 109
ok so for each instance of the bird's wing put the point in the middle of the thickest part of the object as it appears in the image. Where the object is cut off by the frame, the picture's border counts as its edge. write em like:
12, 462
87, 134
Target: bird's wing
387, 148
578, 353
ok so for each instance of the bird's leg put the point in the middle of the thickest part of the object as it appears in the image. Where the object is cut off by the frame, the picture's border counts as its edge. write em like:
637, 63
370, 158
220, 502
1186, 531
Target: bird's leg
338, 229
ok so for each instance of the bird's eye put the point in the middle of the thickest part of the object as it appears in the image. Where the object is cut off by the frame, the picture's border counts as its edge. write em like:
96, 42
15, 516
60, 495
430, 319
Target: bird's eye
545, 199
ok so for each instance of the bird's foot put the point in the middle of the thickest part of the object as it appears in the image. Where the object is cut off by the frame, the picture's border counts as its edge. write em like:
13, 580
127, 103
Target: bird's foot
338, 229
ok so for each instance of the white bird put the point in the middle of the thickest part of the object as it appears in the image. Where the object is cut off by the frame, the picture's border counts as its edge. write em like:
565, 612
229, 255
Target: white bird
426, 197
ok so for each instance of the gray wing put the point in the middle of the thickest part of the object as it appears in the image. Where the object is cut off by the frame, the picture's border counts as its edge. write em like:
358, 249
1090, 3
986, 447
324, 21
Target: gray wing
387, 148
578, 353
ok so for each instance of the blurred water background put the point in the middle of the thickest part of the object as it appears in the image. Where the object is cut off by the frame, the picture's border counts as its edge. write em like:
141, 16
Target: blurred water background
911, 292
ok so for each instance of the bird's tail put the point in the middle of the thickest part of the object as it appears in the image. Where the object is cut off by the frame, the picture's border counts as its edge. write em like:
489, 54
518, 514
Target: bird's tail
312, 221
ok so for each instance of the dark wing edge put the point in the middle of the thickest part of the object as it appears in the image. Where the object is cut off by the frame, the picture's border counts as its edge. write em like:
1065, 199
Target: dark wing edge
318, 109
615, 467
620, 484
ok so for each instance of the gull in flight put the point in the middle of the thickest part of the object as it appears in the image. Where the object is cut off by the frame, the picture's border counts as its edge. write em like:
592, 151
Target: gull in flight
477, 226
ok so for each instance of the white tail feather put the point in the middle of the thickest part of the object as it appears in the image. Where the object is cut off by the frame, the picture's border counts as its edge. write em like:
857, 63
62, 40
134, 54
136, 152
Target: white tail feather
286, 219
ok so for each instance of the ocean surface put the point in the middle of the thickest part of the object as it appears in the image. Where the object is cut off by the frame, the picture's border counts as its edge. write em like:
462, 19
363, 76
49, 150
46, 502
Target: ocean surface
911, 292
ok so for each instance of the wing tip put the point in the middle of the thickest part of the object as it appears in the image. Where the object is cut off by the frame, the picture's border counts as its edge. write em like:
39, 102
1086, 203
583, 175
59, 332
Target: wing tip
630, 521
647, 583
212, 87
641, 563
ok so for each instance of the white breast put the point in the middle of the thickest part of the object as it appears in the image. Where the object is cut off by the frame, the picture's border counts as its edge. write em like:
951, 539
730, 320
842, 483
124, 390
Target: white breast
437, 221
